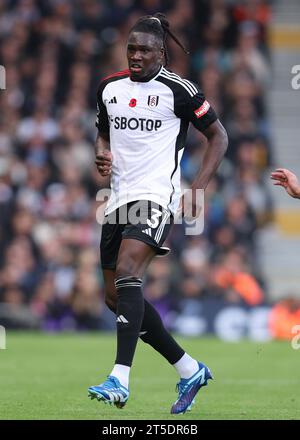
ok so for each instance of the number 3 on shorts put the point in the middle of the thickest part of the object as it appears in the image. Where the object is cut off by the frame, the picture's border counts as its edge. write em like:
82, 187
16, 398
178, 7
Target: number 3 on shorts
154, 222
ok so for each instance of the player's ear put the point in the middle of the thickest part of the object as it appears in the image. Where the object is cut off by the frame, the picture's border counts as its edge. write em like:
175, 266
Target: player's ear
162, 54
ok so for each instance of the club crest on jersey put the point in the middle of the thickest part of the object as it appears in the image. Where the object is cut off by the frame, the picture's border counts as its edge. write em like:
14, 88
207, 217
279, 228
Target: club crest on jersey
153, 101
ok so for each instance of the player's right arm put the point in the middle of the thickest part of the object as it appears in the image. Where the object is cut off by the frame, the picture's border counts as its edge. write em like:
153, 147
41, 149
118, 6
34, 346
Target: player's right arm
103, 159
103, 154
287, 180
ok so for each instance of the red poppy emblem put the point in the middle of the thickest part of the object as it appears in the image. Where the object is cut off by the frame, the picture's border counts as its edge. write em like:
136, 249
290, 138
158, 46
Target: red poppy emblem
132, 102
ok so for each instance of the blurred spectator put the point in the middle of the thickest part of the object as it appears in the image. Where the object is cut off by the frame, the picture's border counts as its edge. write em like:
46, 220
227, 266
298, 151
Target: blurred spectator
283, 317
234, 281
255, 11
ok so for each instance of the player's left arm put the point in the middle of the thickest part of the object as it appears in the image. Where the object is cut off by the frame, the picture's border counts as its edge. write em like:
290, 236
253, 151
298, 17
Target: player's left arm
194, 108
217, 140
199, 112
217, 145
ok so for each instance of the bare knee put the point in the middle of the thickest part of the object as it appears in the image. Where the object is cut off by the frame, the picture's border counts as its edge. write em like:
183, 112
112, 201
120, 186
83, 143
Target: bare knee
126, 267
133, 259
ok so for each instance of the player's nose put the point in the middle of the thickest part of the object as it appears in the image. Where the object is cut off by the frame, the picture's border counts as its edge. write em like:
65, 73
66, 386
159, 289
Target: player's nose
136, 56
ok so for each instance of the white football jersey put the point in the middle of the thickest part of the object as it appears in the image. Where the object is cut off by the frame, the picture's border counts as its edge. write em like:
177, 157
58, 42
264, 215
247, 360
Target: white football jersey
147, 124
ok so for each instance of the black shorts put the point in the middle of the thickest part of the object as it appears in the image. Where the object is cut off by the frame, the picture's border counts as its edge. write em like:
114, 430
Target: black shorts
141, 220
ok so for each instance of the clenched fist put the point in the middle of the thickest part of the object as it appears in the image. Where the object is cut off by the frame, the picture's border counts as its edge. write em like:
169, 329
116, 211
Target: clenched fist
104, 162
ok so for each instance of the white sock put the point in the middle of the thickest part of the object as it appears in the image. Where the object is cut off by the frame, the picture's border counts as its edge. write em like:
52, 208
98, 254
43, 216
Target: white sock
186, 366
121, 372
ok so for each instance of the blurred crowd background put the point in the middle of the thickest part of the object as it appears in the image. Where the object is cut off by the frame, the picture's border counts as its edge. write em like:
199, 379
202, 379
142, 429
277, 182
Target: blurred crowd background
55, 53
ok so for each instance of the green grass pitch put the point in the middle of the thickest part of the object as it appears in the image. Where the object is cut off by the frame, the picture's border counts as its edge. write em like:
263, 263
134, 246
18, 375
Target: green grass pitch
47, 376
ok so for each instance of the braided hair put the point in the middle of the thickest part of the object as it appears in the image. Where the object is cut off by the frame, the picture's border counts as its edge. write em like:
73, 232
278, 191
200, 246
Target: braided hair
159, 26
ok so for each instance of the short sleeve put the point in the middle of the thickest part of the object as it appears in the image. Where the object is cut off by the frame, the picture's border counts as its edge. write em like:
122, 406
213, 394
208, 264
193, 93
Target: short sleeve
193, 107
102, 118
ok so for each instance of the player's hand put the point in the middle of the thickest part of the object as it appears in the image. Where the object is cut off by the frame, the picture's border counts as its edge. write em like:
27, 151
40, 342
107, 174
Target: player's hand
287, 180
104, 162
190, 205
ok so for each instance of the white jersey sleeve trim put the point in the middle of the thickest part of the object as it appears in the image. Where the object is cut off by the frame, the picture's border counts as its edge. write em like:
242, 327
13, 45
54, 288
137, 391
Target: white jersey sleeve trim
189, 87
186, 81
